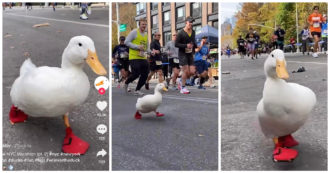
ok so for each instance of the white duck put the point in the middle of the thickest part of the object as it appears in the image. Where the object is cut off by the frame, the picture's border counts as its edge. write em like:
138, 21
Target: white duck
150, 103
284, 107
52, 91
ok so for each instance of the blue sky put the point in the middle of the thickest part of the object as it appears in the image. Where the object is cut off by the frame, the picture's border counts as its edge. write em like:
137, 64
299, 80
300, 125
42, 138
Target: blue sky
228, 10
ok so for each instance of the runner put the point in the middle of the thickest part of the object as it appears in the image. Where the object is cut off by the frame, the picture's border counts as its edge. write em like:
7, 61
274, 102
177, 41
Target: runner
173, 55
325, 33
120, 54
315, 20
280, 37
256, 44
137, 41
305, 40
155, 61
202, 51
251, 40
185, 41
240, 43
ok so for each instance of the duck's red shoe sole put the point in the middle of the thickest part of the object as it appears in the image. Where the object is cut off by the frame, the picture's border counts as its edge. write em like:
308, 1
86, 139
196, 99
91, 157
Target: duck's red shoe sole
159, 114
16, 115
74, 145
281, 154
138, 116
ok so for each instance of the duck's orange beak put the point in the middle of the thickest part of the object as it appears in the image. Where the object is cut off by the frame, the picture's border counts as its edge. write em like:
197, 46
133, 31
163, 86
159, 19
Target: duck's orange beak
93, 61
281, 71
165, 89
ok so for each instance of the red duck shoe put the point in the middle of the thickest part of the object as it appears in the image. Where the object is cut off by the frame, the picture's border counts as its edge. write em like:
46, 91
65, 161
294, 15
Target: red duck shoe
138, 116
16, 115
159, 114
287, 141
284, 154
72, 144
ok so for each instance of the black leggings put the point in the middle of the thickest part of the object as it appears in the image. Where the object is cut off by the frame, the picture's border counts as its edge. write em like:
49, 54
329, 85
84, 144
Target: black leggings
140, 68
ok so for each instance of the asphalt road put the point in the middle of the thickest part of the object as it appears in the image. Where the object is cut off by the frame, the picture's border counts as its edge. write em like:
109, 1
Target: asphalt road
186, 138
243, 145
36, 138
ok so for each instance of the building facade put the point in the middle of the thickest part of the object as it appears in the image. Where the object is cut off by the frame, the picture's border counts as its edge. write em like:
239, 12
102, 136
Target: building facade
169, 17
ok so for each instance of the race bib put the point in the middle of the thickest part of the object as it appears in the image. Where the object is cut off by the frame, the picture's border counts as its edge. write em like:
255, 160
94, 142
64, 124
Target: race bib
187, 50
316, 24
158, 62
241, 44
325, 31
176, 60
204, 57
123, 55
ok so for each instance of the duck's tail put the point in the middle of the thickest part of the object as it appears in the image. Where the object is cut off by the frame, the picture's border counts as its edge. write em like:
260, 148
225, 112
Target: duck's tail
26, 67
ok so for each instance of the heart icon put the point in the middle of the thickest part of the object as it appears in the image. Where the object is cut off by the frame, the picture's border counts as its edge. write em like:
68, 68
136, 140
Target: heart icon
101, 105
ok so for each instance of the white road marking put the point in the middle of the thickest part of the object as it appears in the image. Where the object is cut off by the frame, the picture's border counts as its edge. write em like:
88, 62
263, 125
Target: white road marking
318, 63
59, 20
197, 99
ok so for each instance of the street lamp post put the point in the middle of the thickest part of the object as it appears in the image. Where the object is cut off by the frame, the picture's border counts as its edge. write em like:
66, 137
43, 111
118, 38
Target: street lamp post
297, 28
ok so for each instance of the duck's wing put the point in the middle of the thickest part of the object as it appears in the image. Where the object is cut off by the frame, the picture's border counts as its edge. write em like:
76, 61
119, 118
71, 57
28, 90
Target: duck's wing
46, 88
147, 103
27, 66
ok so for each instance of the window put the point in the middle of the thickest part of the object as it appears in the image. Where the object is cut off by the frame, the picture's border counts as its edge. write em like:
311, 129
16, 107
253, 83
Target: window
215, 24
154, 6
167, 18
214, 7
180, 14
197, 29
140, 8
166, 3
154, 21
196, 9
167, 37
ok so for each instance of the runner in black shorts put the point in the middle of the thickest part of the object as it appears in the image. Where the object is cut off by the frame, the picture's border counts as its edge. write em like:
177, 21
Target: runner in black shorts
241, 46
155, 60
120, 54
186, 43
173, 55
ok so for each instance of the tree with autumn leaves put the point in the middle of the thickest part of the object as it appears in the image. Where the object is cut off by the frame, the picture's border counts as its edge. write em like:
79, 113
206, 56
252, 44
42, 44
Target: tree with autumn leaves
263, 18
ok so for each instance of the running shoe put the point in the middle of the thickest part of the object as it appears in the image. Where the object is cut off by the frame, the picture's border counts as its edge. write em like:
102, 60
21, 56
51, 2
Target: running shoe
146, 86
138, 93
174, 88
201, 87
184, 90
315, 55
126, 88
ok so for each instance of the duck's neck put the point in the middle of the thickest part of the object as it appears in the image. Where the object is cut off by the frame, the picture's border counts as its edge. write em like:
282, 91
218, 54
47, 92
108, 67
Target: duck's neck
157, 93
67, 64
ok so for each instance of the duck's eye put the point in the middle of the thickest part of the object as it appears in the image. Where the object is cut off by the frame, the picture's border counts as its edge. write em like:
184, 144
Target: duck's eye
80, 44
273, 55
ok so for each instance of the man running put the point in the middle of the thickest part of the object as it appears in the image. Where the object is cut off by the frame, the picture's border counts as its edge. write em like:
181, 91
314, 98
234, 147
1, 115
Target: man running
315, 20
305, 39
325, 33
280, 37
240, 43
137, 41
251, 41
120, 54
185, 41
173, 55
202, 51
155, 61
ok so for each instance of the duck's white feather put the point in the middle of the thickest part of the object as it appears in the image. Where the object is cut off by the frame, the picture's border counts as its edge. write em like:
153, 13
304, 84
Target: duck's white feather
49, 91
